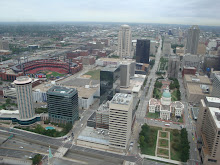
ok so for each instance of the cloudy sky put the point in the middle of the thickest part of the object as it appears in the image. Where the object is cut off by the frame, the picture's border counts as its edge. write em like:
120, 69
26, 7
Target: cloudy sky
202, 12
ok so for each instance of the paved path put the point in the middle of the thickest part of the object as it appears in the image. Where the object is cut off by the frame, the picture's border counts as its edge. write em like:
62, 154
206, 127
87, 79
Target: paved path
160, 159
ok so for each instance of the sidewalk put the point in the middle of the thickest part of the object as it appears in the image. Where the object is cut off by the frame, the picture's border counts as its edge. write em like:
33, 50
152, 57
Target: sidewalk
160, 159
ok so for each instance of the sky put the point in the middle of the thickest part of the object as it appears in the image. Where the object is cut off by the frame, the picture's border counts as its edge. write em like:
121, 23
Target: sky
201, 12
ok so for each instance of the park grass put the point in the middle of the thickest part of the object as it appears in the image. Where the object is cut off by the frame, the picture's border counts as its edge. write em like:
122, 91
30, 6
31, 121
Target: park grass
153, 115
175, 154
163, 134
54, 74
95, 74
150, 150
162, 151
163, 143
174, 95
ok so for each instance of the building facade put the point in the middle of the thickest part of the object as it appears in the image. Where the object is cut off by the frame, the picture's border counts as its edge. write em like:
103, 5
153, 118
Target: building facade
125, 75
62, 104
120, 120
143, 51
208, 131
109, 83
173, 66
124, 41
192, 40
23, 87
216, 85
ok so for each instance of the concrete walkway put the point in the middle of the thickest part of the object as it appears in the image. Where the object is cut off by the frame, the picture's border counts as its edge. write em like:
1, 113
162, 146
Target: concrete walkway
160, 159
160, 147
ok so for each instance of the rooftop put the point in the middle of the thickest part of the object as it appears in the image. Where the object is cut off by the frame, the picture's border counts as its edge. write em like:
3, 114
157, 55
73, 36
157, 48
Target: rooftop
22, 80
214, 112
121, 98
58, 90
196, 89
213, 99
90, 134
109, 69
197, 79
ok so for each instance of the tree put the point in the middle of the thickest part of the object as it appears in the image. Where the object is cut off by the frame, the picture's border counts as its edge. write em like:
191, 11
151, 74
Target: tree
158, 84
37, 159
8, 101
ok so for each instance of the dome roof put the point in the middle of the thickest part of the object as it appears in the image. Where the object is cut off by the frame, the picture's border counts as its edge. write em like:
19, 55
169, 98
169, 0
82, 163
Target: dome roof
166, 94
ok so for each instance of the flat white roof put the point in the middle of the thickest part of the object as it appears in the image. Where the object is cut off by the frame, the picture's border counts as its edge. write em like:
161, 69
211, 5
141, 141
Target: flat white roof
213, 111
213, 99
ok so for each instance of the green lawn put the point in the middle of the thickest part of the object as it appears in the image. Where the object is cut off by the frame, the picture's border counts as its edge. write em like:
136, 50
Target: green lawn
163, 151
95, 74
163, 143
155, 115
174, 95
151, 150
175, 154
163, 134
53, 74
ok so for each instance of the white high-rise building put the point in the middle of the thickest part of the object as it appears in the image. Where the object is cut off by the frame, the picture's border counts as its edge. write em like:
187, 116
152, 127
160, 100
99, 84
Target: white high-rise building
192, 40
120, 120
124, 41
23, 87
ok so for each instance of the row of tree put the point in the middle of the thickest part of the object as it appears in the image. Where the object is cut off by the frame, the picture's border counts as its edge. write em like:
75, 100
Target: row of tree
52, 133
181, 144
145, 137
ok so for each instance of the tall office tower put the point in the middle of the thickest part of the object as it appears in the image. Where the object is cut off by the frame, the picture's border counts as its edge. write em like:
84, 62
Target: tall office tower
24, 97
192, 40
208, 131
143, 51
173, 66
62, 104
166, 47
125, 75
132, 69
216, 85
124, 41
153, 47
109, 83
120, 120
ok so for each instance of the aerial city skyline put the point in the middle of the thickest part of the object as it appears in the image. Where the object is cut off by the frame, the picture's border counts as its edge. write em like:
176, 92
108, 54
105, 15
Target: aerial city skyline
109, 82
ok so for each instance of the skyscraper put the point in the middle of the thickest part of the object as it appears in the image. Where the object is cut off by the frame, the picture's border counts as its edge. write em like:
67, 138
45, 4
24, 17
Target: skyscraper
109, 83
173, 66
143, 51
24, 97
208, 130
192, 40
120, 120
63, 104
125, 75
124, 41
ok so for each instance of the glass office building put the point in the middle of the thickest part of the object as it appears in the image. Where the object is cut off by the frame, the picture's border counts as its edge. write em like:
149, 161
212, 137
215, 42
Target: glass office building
109, 83
143, 51
62, 104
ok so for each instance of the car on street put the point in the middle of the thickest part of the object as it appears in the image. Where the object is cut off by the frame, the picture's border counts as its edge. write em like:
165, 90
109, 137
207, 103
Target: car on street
167, 125
132, 143
21, 147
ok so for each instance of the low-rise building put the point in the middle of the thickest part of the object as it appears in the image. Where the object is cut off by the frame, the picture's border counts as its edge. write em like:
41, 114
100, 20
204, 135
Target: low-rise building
196, 92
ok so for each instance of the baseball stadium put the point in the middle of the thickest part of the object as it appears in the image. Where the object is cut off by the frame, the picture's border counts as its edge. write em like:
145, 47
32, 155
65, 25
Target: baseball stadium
41, 67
